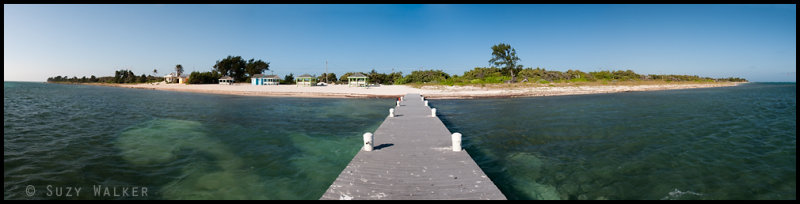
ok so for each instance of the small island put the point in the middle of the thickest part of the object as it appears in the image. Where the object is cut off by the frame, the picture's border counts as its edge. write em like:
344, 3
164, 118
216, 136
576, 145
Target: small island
506, 78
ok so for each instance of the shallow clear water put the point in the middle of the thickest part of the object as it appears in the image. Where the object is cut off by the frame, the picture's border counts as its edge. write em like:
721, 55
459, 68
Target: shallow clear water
177, 145
717, 143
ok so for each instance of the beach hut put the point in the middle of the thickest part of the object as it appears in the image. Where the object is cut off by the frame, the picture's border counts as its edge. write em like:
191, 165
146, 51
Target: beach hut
272, 80
169, 78
357, 79
260, 79
226, 80
306, 80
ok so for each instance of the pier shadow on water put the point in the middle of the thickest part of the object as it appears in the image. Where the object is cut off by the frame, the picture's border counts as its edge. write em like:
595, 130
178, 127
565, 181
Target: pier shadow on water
520, 169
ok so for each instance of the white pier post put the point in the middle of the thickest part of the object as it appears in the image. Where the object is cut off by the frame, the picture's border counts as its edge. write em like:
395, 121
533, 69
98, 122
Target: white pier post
398, 103
368, 141
422, 98
391, 112
426, 103
401, 98
433, 112
456, 142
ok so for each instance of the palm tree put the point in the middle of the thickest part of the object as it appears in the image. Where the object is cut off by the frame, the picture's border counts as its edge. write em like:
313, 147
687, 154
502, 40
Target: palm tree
179, 70
155, 72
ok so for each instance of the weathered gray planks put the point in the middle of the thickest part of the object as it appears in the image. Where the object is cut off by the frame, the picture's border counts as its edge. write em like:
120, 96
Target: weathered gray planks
413, 159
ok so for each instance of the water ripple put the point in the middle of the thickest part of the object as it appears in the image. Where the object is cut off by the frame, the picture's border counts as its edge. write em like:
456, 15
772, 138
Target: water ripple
250, 148
722, 143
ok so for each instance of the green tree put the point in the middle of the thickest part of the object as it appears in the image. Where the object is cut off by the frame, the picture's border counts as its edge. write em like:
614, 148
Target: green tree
377, 78
602, 75
577, 74
424, 76
117, 76
628, 75
254, 67
241, 70
331, 77
211, 77
506, 57
130, 77
482, 72
232, 66
394, 77
344, 76
124, 76
288, 79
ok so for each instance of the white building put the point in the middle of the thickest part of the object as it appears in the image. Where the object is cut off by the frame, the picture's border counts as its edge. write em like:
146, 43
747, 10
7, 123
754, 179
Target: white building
174, 78
226, 80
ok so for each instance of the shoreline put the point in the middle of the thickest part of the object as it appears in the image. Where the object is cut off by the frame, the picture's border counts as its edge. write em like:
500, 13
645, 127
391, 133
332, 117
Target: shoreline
394, 91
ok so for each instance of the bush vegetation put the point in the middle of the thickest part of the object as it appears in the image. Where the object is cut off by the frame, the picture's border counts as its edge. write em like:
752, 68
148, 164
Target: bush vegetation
122, 76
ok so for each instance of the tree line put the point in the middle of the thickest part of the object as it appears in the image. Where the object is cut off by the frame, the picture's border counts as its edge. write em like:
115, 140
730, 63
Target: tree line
505, 69
238, 68
120, 77
494, 75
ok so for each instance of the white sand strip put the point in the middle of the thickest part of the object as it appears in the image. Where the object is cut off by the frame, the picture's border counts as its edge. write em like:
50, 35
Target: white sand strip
432, 92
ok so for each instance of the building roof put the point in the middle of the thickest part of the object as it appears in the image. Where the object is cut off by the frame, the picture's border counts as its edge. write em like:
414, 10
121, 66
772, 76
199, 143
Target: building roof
226, 77
305, 76
357, 75
266, 76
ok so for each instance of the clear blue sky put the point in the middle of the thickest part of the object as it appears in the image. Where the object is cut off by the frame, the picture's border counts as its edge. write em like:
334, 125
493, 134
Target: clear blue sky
757, 42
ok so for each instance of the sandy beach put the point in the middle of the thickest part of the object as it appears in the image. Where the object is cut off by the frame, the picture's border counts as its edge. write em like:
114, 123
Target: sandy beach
391, 91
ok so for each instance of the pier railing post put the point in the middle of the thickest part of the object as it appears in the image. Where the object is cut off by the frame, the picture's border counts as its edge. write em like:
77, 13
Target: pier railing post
422, 98
368, 141
433, 112
456, 142
426, 103
398, 103
391, 112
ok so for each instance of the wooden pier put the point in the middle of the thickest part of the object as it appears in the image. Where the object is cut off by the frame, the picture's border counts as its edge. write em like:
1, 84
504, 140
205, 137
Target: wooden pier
412, 158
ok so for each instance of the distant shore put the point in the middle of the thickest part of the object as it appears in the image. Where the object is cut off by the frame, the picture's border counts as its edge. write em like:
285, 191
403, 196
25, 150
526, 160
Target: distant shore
431, 92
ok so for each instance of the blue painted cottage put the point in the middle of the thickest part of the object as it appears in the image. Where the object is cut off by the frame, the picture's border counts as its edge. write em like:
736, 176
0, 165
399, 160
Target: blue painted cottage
260, 79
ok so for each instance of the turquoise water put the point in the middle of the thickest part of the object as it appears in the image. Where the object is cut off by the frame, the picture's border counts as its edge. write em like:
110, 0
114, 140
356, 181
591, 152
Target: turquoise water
715, 143
177, 145
718, 143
